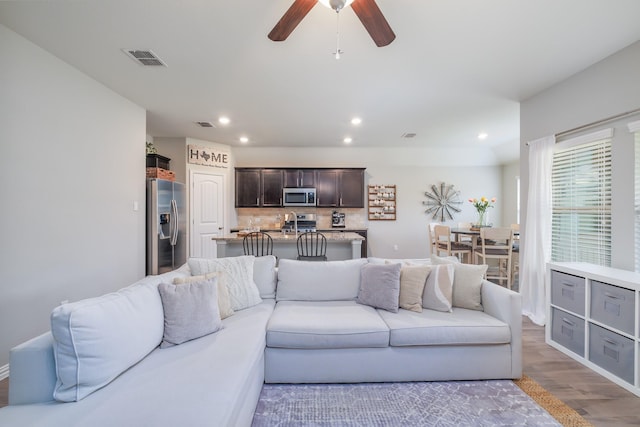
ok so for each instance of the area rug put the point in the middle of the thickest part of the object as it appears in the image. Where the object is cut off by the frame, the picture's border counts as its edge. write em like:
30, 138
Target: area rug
454, 403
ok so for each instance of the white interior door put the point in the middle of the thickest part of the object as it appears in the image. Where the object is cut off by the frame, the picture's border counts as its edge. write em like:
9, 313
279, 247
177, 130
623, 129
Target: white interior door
207, 213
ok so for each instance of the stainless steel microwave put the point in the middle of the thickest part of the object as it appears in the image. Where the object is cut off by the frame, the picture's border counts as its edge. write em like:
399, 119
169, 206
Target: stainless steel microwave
299, 196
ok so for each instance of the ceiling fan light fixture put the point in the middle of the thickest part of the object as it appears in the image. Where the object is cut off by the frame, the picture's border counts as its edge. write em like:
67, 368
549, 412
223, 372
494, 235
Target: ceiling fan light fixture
336, 5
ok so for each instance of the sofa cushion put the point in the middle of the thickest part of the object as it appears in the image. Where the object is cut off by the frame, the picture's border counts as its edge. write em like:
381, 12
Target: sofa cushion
329, 324
97, 339
438, 290
264, 275
412, 282
190, 311
460, 327
408, 261
238, 277
380, 286
319, 280
224, 301
467, 283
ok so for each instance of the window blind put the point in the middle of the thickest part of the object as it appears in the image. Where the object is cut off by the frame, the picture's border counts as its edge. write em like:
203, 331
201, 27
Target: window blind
581, 203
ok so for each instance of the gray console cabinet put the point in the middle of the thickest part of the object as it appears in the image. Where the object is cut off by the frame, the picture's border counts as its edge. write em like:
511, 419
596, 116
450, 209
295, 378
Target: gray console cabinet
593, 317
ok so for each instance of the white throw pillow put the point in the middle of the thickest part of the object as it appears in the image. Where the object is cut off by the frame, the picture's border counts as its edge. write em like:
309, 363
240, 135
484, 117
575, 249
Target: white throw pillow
467, 283
224, 301
97, 339
438, 291
243, 291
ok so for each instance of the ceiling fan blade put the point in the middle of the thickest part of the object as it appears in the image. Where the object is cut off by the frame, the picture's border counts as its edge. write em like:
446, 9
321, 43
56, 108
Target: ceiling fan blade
291, 19
374, 21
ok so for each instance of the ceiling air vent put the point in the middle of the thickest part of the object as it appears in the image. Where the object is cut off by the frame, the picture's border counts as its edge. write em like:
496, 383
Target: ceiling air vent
408, 135
145, 57
205, 124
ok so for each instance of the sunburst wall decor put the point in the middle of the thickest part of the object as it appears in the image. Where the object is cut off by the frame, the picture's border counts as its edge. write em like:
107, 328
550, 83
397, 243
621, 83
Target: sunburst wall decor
441, 201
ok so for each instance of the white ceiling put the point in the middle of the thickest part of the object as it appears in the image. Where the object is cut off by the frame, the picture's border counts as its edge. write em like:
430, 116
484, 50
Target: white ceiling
456, 68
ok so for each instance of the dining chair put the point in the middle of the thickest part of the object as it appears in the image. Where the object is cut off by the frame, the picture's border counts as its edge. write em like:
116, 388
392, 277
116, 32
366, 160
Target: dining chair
312, 246
257, 243
444, 244
432, 237
496, 243
515, 262
465, 238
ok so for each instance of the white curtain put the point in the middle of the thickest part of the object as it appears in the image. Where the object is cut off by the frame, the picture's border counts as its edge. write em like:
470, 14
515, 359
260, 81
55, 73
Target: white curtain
537, 234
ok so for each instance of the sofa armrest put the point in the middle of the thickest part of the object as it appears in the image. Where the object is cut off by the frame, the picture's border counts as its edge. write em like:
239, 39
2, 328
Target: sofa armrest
32, 375
506, 305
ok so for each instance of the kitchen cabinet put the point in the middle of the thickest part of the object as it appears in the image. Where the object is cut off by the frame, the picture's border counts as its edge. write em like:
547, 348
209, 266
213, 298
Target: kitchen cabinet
248, 188
593, 313
340, 188
351, 186
299, 178
257, 187
326, 188
335, 187
272, 182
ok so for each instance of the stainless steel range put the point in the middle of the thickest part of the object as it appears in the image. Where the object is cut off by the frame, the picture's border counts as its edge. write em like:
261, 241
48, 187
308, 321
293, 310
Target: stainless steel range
306, 222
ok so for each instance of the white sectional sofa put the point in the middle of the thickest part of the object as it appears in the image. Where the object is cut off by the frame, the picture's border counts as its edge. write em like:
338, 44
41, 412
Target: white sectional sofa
311, 330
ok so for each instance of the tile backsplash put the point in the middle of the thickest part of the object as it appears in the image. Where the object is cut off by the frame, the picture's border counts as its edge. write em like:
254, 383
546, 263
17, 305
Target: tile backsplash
267, 218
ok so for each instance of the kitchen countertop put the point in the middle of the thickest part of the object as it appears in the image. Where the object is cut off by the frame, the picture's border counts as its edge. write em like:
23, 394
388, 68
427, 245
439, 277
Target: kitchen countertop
278, 236
323, 230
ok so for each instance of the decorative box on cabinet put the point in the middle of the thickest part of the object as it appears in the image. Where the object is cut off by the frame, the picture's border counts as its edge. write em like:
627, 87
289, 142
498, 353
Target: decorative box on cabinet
593, 318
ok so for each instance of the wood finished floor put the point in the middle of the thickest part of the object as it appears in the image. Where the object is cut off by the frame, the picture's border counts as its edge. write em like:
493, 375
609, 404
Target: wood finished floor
597, 399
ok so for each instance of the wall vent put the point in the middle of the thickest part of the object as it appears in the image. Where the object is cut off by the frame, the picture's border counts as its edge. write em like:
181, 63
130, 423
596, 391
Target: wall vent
408, 135
205, 124
144, 57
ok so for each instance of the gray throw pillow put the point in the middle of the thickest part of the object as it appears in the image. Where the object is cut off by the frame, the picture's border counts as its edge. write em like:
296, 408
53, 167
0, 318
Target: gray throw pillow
190, 311
380, 286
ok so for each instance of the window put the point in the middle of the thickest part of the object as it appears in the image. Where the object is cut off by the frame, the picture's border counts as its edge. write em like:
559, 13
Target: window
581, 200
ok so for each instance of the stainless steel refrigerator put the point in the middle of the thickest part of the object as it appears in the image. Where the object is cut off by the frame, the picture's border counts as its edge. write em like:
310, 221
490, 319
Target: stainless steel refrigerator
166, 226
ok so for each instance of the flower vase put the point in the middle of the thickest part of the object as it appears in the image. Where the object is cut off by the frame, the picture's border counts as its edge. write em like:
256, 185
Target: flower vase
481, 220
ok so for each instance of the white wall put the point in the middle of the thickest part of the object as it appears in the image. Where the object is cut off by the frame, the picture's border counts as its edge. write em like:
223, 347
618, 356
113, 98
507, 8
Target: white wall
603, 90
510, 174
412, 170
72, 165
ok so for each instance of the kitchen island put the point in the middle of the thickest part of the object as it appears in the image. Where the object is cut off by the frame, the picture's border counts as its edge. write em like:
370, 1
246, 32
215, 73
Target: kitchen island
340, 245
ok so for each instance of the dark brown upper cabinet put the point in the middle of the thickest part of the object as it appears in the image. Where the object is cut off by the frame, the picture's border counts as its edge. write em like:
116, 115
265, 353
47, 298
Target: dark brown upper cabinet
299, 178
259, 187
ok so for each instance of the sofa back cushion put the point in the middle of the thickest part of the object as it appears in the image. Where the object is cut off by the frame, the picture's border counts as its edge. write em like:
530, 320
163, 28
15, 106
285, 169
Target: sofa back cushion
318, 280
97, 339
264, 274
238, 277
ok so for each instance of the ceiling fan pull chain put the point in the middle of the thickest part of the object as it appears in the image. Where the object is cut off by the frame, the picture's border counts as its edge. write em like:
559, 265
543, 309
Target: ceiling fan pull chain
338, 51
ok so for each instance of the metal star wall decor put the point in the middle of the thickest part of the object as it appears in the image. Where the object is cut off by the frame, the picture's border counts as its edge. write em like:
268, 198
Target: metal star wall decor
441, 202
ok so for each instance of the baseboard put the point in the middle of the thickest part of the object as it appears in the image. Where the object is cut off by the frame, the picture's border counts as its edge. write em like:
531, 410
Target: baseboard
4, 372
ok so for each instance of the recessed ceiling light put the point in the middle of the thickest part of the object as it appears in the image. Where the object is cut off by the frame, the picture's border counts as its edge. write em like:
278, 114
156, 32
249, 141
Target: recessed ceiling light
244, 139
356, 121
223, 120
483, 135
348, 140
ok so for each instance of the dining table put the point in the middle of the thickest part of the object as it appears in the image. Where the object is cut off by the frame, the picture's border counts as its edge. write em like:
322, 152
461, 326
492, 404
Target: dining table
474, 233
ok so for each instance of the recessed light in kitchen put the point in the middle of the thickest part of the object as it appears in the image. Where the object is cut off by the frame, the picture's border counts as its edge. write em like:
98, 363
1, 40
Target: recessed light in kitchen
483, 135
356, 121
244, 139
347, 140
223, 120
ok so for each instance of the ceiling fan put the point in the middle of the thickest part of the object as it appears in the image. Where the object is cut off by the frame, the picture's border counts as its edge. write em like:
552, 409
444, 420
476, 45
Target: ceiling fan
367, 10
